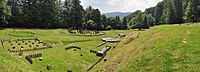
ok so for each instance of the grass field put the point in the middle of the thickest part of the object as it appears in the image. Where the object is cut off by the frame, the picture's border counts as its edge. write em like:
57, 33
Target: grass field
58, 57
165, 48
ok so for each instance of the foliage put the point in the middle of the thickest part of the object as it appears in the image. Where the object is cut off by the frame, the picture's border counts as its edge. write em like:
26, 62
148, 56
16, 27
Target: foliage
40, 13
56, 14
94, 15
91, 24
76, 13
4, 13
167, 12
108, 28
192, 10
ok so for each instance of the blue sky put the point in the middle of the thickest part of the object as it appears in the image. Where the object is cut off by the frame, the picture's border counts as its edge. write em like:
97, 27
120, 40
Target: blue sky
119, 5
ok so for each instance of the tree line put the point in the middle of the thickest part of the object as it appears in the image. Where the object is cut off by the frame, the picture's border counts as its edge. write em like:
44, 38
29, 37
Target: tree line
67, 14
54, 14
166, 12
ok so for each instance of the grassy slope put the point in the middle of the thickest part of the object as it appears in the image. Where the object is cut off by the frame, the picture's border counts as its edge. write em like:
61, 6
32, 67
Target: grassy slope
159, 49
59, 58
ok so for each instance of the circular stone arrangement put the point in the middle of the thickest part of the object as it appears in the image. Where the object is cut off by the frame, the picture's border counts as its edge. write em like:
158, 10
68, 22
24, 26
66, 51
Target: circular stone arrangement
86, 33
21, 34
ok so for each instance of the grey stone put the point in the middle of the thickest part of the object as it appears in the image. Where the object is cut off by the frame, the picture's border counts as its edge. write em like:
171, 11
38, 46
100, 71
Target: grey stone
49, 67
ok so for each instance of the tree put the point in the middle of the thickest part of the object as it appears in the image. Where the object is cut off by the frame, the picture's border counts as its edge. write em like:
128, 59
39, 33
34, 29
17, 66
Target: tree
108, 28
117, 22
185, 4
41, 13
124, 23
88, 15
192, 10
145, 24
97, 18
151, 20
189, 10
198, 11
31, 12
91, 24
114, 22
150, 10
134, 14
65, 14
95, 15
76, 14
178, 12
136, 21
104, 21
51, 13
16, 9
4, 13
168, 13
158, 12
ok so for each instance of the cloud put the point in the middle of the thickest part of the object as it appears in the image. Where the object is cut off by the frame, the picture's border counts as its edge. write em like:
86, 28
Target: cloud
119, 5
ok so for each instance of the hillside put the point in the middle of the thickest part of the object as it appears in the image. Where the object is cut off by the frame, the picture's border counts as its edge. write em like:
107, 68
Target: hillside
166, 48
161, 48
120, 14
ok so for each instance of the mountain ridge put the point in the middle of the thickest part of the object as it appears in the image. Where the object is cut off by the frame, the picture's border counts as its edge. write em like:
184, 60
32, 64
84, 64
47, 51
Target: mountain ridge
120, 14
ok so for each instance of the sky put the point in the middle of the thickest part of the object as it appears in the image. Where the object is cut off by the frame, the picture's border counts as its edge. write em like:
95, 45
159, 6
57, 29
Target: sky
106, 6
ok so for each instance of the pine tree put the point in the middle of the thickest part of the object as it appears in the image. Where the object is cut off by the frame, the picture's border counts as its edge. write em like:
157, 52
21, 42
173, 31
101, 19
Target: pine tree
151, 20
117, 22
177, 9
158, 12
31, 13
189, 10
66, 14
94, 15
185, 4
16, 18
192, 10
76, 14
50, 13
145, 24
104, 21
168, 13
124, 23
3, 13
97, 18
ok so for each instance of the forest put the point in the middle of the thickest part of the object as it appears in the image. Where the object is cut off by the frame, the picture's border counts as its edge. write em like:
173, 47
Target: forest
70, 13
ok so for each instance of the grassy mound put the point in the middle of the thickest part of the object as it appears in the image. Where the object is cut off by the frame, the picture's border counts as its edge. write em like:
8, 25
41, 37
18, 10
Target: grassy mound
165, 48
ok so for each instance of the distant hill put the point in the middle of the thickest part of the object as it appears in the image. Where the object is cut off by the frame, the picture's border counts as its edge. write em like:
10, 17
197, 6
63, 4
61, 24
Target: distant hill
120, 14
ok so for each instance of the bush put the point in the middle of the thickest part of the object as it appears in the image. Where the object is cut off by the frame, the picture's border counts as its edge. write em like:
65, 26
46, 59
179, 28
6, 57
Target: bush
91, 24
108, 28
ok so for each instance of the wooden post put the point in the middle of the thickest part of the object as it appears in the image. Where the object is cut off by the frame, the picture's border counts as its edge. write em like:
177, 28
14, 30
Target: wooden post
2, 43
21, 51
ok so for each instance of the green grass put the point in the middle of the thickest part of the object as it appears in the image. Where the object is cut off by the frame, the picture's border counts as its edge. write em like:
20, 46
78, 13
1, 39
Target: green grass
165, 48
58, 57
160, 49
21, 34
